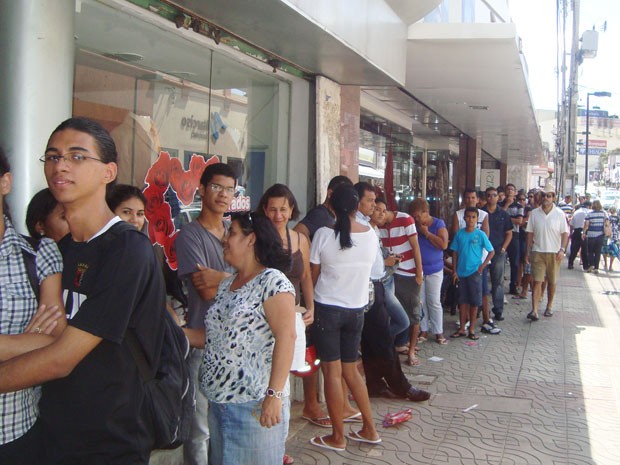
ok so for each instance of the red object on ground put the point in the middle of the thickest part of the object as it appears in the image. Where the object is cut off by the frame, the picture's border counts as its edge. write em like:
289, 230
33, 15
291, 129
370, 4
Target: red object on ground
392, 419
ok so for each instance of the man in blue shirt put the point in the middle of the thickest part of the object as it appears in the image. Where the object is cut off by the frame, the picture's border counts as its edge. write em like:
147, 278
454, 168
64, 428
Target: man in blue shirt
500, 235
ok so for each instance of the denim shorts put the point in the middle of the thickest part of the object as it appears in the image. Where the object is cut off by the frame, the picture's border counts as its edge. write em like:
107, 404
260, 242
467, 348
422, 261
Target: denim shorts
237, 436
337, 332
470, 290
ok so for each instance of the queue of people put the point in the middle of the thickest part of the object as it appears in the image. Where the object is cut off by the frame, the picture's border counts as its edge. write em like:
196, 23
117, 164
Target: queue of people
365, 281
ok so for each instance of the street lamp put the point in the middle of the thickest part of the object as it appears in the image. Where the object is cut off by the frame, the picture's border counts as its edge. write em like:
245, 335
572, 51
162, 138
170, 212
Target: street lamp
596, 94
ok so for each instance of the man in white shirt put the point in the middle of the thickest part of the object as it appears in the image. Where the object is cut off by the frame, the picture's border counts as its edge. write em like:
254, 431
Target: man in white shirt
576, 228
547, 235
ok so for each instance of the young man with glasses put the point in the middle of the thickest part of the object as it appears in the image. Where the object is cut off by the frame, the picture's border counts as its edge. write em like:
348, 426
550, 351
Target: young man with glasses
547, 236
92, 393
500, 235
200, 255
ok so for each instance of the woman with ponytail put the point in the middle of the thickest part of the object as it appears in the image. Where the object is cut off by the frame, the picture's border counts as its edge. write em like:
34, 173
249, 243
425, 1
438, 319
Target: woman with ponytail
340, 261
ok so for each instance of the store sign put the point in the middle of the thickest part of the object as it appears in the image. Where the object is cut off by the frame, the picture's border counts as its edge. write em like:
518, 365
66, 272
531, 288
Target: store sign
198, 129
593, 150
488, 178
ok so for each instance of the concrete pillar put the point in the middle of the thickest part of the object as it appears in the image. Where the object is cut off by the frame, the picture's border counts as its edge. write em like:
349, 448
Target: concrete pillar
350, 135
327, 134
36, 64
468, 164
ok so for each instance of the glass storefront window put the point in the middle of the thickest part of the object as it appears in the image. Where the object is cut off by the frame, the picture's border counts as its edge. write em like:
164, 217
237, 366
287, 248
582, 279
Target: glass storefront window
165, 92
173, 105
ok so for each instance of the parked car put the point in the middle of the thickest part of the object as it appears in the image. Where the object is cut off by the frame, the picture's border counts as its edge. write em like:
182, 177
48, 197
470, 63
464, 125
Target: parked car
609, 198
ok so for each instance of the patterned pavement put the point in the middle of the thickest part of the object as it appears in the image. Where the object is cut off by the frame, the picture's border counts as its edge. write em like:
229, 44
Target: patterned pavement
545, 392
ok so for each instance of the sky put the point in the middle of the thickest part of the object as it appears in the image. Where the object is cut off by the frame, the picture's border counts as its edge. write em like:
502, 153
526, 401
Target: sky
536, 25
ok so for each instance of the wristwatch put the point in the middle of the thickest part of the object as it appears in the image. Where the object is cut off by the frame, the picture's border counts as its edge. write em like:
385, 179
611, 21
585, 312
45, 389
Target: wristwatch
562, 249
271, 392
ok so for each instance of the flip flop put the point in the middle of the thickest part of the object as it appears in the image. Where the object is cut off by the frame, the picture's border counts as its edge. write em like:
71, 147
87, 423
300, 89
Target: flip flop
421, 339
473, 337
355, 418
548, 312
356, 436
326, 421
458, 334
319, 441
442, 340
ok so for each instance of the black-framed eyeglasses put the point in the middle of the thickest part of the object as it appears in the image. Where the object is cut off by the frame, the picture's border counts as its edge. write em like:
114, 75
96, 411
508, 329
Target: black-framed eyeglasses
75, 158
492, 195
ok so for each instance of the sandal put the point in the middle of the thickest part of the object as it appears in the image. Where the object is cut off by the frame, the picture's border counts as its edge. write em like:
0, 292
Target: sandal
441, 340
458, 334
473, 337
421, 339
548, 312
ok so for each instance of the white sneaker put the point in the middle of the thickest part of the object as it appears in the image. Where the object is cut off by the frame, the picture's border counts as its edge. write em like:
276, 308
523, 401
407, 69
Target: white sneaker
490, 327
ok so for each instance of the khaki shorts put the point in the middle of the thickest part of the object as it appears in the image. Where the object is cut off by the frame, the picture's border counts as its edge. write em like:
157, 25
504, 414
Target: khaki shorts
545, 264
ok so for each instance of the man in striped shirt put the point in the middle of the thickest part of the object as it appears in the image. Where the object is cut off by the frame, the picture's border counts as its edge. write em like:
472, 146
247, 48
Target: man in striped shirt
400, 237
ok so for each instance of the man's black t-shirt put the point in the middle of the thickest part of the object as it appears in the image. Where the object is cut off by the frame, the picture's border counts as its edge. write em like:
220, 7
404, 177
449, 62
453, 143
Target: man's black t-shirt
317, 218
110, 283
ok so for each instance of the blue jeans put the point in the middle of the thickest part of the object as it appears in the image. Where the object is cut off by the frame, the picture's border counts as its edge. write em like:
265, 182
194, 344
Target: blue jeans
399, 321
196, 446
496, 271
514, 254
238, 438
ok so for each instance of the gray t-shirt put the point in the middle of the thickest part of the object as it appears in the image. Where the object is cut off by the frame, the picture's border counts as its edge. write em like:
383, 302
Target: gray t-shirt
195, 245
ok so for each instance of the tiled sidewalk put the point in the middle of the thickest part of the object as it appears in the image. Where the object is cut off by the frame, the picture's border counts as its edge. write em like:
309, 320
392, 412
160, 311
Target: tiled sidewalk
546, 392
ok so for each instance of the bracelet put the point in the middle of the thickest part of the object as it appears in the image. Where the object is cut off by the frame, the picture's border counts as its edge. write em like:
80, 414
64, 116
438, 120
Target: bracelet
562, 249
271, 392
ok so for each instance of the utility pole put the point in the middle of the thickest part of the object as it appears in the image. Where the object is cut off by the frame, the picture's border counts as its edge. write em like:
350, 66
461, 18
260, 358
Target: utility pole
570, 179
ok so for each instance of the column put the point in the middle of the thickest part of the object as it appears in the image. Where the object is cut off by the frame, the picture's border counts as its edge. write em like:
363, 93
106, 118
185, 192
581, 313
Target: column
36, 89
327, 134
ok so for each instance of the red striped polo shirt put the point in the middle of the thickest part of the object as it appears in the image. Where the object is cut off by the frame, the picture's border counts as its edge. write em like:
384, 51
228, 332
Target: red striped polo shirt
395, 236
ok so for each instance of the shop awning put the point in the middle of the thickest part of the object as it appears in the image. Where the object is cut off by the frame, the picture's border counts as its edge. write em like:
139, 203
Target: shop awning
344, 41
475, 76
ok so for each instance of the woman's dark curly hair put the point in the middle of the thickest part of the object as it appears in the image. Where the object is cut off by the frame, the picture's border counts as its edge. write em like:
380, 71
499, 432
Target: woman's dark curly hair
268, 246
40, 207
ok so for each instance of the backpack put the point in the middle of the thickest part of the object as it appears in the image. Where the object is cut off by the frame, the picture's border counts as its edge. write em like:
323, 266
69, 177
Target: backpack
169, 392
